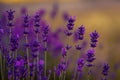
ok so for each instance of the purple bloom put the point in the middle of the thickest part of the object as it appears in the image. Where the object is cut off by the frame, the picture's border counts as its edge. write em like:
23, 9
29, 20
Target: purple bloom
14, 42
105, 69
81, 32
24, 10
37, 20
41, 12
45, 33
65, 16
35, 48
10, 17
54, 10
68, 33
90, 57
10, 14
64, 52
68, 47
70, 24
19, 62
26, 21
41, 64
80, 64
78, 47
94, 36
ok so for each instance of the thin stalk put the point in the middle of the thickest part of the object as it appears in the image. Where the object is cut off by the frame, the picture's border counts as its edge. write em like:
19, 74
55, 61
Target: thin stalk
60, 77
27, 51
64, 75
75, 73
10, 34
13, 65
45, 60
66, 58
49, 76
37, 55
88, 77
2, 75
54, 76
78, 76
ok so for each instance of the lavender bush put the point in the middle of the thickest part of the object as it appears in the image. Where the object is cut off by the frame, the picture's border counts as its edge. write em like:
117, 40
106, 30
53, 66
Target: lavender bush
24, 52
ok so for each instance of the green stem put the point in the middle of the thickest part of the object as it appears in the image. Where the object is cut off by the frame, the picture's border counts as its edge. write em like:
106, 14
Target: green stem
88, 74
37, 56
13, 64
2, 75
64, 75
54, 76
49, 76
45, 60
27, 51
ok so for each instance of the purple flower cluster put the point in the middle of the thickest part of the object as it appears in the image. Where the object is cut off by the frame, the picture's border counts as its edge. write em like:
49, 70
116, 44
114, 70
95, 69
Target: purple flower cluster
31, 62
10, 17
105, 69
81, 63
94, 36
81, 32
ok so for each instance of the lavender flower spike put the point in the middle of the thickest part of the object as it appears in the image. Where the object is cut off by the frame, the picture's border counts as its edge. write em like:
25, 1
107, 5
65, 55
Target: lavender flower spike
81, 32
10, 14
94, 36
64, 52
80, 64
10, 17
90, 57
26, 20
105, 69
70, 24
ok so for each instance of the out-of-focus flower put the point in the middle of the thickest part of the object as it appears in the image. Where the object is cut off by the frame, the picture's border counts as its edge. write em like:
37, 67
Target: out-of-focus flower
65, 16
106, 68
64, 52
54, 10
80, 64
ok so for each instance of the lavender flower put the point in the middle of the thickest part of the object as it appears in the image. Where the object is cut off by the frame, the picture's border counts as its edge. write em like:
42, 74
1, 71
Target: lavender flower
105, 69
14, 42
26, 24
90, 57
81, 32
64, 52
68, 33
10, 17
54, 10
26, 21
94, 36
45, 33
35, 48
70, 24
41, 64
65, 16
80, 64
78, 47
36, 20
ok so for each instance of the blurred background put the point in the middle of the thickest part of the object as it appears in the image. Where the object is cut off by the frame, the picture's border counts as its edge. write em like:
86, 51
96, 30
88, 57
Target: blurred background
100, 15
